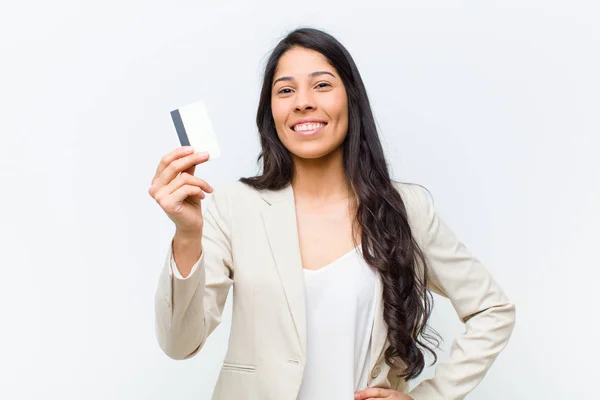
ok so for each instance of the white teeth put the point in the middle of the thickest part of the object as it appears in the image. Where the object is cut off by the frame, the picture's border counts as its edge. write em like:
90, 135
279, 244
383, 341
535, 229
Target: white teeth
308, 127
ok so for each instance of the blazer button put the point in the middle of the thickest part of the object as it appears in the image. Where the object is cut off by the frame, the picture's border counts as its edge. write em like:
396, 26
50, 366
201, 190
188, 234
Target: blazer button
376, 371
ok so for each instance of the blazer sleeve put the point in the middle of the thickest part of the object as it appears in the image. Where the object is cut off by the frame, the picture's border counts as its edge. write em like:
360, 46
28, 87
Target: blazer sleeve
188, 310
480, 303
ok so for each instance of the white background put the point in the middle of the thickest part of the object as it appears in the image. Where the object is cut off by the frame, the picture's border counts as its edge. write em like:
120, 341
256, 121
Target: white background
494, 106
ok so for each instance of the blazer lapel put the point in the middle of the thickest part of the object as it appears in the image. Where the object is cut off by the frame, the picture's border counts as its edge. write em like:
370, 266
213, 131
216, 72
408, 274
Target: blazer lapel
282, 232
379, 334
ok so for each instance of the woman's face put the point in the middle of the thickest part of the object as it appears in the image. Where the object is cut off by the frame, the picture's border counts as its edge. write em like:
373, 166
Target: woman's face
309, 104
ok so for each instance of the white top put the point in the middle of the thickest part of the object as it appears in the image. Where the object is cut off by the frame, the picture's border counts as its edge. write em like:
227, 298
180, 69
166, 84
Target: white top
339, 311
340, 302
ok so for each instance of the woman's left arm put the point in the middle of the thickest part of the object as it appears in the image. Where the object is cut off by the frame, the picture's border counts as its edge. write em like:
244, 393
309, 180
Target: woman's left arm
479, 301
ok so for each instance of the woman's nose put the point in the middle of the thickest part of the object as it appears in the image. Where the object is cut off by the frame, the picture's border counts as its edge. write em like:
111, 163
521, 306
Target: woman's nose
304, 102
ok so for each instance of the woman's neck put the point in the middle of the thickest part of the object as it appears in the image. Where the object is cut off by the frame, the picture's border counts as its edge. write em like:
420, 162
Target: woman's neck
321, 180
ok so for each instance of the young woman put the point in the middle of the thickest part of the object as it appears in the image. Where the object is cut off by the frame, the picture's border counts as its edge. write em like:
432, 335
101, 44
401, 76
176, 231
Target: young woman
332, 263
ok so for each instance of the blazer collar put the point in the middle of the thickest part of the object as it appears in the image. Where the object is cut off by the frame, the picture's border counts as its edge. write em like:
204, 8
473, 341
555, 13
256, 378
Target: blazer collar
276, 196
282, 232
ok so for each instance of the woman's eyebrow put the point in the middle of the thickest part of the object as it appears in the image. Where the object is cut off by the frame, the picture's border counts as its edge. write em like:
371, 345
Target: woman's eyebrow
311, 75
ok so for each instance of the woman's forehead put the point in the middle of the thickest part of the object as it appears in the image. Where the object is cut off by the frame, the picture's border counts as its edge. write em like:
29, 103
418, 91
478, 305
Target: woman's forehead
300, 62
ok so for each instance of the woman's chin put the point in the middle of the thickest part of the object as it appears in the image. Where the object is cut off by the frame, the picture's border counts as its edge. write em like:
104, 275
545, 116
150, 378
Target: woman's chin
312, 152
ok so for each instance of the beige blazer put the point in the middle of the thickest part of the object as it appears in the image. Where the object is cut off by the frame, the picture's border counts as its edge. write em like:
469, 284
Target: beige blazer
250, 241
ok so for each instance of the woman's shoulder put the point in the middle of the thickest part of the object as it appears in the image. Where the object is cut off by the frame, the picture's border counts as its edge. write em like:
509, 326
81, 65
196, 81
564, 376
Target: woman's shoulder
237, 195
413, 194
234, 189
418, 202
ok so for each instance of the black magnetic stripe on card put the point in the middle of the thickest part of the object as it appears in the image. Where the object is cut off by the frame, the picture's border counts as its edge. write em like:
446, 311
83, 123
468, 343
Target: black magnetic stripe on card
180, 128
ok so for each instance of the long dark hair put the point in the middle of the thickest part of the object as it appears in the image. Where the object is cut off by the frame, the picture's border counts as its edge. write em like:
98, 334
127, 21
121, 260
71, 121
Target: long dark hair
387, 242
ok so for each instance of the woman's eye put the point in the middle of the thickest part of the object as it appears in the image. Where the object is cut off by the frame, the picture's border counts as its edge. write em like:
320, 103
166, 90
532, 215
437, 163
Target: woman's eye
285, 91
322, 85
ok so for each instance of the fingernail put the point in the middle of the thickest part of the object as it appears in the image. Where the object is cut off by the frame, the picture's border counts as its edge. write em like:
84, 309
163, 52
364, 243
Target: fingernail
188, 149
203, 154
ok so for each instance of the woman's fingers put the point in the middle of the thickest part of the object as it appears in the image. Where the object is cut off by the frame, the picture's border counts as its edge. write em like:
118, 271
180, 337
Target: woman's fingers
173, 164
180, 165
184, 179
379, 393
173, 155
173, 203
372, 393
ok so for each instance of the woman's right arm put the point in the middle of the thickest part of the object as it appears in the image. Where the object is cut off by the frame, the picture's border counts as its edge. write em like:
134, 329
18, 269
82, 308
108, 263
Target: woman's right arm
189, 304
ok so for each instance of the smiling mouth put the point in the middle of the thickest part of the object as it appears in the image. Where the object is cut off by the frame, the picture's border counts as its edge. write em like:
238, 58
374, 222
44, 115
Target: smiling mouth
308, 128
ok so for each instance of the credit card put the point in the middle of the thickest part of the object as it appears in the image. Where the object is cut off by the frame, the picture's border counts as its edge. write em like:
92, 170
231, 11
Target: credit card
194, 128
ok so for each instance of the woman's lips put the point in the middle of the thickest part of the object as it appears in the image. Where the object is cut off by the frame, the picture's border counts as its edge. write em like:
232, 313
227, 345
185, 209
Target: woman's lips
311, 132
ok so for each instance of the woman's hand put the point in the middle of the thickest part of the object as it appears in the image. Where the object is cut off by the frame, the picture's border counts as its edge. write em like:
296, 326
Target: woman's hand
179, 192
378, 393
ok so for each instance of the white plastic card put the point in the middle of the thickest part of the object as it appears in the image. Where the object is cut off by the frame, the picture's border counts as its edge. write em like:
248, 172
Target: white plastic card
195, 129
